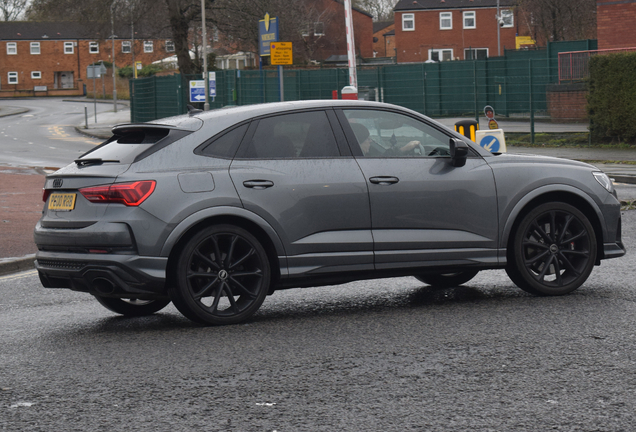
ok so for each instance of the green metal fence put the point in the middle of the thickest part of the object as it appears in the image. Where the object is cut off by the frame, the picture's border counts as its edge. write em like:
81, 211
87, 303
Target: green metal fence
514, 83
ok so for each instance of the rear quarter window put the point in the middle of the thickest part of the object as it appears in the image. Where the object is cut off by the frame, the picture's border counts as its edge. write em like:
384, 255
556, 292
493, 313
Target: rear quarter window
129, 145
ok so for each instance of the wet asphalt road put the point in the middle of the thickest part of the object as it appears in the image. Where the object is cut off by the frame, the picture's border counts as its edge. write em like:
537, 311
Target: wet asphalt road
380, 355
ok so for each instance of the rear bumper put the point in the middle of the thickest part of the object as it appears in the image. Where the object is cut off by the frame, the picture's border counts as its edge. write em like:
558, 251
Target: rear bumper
613, 250
127, 276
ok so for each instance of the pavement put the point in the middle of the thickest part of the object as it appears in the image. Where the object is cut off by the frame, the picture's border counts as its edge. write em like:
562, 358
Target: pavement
21, 204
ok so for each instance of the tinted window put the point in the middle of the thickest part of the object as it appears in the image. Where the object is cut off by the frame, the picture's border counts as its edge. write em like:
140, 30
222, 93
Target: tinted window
388, 134
301, 135
225, 146
127, 144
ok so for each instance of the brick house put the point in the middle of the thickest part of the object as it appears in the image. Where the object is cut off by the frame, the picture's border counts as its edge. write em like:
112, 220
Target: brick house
615, 23
440, 30
384, 39
50, 58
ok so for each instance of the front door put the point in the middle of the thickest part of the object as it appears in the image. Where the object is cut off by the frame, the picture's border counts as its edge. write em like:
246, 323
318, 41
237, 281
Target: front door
424, 212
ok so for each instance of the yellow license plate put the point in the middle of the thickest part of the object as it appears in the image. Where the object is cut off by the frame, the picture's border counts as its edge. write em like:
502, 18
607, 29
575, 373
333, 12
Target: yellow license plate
62, 201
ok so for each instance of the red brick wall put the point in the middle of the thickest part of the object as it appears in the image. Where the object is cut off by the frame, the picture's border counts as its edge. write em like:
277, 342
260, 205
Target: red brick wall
385, 45
615, 24
413, 46
567, 103
53, 59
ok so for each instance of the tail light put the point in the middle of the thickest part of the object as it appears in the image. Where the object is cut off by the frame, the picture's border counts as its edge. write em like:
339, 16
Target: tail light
45, 194
130, 194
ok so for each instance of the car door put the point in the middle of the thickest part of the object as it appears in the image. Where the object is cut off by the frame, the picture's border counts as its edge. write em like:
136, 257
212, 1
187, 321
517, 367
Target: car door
290, 170
424, 211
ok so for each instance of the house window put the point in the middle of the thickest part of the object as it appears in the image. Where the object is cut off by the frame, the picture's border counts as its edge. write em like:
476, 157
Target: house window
319, 29
148, 46
169, 46
475, 53
440, 54
125, 46
36, 75
93, 48
12, 48
507, 18
35, 47
12, 77
408, 22
445, 20
69, 48
215, 36
469, 20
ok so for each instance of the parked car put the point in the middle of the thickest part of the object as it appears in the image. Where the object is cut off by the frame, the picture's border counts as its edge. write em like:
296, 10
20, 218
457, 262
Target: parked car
215, 210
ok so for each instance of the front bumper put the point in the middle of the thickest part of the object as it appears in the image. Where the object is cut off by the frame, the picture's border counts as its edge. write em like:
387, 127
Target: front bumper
111, 275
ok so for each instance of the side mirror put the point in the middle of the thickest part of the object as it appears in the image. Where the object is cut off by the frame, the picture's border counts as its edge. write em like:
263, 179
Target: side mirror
458, 152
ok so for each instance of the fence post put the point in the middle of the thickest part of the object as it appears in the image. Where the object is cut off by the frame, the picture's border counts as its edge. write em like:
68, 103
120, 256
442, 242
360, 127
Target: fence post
531, 107
475, 90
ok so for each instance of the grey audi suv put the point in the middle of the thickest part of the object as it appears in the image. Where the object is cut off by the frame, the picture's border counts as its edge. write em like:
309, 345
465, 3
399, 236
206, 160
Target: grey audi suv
215, 210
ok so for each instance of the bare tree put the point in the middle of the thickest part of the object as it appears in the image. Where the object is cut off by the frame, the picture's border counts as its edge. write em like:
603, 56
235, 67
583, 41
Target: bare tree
557, 20
382, 10
12, 9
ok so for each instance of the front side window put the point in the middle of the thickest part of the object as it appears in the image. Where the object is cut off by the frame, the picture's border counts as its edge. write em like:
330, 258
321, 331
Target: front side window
93, 48
36, 75
12, 48
169, 46
469, 20
69, 48
445, 20
508, 18
408, 22
35, 47
301, 135
148, 46
125, 46
388, 134
12, 77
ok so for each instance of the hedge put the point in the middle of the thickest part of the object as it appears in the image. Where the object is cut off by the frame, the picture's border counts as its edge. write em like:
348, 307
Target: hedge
612, 97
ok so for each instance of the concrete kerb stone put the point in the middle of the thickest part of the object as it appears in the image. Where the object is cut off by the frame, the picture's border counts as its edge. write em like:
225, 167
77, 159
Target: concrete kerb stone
9, 111
14, 265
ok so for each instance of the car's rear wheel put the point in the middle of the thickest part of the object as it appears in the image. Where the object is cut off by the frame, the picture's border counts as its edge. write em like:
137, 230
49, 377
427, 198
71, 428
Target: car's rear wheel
553, 250
222, 276
132, 307
447, 280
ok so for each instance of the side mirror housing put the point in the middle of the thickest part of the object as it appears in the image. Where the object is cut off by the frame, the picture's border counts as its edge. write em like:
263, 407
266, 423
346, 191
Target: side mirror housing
458, 152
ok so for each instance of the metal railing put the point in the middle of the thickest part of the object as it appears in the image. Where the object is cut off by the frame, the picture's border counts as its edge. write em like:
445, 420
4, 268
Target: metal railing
574, 65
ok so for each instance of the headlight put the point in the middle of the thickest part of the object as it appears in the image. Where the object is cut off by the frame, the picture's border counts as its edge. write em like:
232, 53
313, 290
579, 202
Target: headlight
604, 180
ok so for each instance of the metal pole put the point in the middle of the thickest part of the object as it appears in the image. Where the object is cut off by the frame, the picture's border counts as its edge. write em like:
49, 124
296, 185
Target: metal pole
85, 117
498, 31
351, 53
94, 95
112, 37
531, 107
132, 43
204, 50
281, 84
475, 91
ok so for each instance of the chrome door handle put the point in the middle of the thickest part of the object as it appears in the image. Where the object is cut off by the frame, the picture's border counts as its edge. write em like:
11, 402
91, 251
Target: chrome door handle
384, 180
258, 184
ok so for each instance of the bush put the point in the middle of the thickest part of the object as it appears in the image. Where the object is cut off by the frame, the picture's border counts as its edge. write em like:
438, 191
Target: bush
612, 98
125, 72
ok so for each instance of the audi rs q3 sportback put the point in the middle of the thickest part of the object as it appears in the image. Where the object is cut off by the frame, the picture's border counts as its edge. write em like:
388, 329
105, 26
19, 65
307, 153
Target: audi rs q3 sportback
215, 210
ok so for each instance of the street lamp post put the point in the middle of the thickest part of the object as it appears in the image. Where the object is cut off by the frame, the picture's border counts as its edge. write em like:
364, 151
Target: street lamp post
112, 37
498, 31
204, 42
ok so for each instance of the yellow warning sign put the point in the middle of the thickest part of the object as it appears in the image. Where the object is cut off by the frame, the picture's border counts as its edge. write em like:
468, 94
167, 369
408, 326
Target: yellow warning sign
281, 53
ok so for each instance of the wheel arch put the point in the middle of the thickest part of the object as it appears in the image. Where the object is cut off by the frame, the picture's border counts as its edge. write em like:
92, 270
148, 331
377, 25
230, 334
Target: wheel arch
583, 203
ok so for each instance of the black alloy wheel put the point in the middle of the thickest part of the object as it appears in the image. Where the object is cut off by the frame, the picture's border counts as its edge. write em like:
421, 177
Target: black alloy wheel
553, 251
223, 276
447, 280
132, 307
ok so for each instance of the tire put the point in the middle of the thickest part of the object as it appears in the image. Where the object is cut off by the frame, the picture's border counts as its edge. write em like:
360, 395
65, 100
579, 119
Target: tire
132, 307
222, 276
553, 250
447, 280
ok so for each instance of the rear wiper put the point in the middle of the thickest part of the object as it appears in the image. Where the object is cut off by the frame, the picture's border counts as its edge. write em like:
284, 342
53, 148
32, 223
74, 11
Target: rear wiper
93, 161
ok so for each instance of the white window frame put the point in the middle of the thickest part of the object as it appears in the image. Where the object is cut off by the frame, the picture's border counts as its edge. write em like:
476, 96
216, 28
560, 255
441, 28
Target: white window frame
93, 47
408, 18
509, 16
12, 77
468, 15
12, 48
149, 46
440, 53
474, 55
170, 44
443, 16
124, 45
35, 48
69, 48
36, 75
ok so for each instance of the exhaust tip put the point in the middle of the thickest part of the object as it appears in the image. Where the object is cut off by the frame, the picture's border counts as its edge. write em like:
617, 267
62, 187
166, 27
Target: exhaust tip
103, 286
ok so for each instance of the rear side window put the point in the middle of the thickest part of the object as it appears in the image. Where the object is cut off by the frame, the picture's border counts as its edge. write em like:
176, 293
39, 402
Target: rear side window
224, 146
127, 144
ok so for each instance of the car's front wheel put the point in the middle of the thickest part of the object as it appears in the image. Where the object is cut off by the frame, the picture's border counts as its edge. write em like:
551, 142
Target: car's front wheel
132, 307
553, 250
222, 276
447, 280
